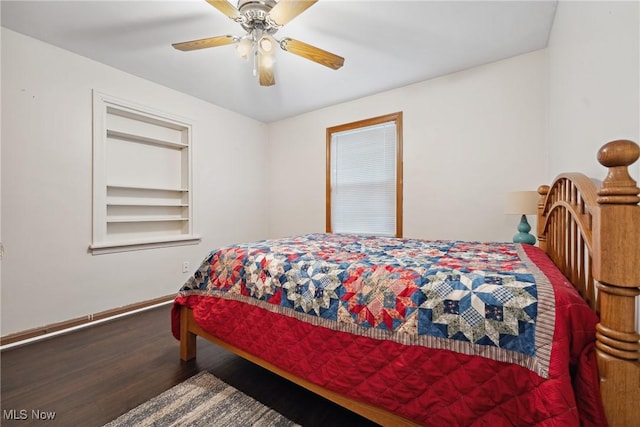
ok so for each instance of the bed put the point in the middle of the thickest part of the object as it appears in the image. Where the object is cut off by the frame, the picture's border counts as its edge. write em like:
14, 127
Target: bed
415, 332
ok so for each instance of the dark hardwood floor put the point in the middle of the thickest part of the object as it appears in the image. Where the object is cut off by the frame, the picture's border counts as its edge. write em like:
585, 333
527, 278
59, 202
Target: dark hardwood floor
93, 375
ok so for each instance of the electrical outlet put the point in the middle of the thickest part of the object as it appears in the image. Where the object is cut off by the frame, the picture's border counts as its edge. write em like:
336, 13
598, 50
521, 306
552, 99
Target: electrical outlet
185, 267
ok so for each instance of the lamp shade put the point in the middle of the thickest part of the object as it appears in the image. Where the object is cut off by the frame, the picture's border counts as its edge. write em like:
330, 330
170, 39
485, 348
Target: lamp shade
522, 203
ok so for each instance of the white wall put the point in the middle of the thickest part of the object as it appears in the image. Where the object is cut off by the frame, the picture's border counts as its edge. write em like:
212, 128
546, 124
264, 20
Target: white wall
48, 275
469, 138
594, 83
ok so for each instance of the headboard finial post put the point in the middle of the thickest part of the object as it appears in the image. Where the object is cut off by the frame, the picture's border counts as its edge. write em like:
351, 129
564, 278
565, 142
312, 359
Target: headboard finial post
618, 187
618, 218
616, 266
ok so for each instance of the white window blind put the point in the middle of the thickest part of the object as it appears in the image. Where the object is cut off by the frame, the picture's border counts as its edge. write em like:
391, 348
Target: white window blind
363, 180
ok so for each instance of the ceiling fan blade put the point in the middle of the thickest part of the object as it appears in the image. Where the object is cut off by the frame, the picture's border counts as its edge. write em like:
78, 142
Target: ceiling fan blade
285, 10
265, 70
225, 7
204, 43
312, 53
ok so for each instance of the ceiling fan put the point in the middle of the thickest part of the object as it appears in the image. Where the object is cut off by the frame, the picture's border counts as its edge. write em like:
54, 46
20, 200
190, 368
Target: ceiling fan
261, 19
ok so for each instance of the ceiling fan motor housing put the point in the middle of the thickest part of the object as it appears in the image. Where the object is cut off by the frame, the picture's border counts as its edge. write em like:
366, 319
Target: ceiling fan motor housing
255, 15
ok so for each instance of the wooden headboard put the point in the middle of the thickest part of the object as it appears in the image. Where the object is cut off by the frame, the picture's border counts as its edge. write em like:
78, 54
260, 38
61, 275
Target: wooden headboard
591, 231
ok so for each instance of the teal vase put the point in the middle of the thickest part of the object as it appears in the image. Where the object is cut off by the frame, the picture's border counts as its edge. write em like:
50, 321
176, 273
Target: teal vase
523, 235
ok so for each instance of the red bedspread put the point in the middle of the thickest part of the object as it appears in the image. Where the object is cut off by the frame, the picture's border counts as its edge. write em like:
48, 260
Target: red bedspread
431, 386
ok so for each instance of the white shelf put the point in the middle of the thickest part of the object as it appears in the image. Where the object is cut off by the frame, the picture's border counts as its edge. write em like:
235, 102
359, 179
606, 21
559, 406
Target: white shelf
143, 139
143, 188
139, 244
147, 204
112, 220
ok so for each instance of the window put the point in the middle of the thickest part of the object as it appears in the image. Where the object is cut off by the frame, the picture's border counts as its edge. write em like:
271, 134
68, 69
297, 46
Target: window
364, 177
142, 187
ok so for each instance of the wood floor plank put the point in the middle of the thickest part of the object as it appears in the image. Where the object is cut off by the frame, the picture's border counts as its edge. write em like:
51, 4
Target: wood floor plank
94, 375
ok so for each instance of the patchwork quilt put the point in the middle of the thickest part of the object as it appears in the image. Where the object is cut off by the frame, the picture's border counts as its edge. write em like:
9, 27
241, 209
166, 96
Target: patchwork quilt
451, 332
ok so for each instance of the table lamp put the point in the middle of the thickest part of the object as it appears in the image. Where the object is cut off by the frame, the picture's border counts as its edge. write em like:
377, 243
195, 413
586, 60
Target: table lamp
523, 203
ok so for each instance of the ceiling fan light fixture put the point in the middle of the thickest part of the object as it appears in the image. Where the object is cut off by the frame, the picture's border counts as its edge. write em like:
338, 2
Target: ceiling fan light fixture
244, 48
266, 44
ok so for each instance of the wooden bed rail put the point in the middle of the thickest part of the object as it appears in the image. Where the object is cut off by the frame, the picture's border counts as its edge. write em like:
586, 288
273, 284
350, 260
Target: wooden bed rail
592, 233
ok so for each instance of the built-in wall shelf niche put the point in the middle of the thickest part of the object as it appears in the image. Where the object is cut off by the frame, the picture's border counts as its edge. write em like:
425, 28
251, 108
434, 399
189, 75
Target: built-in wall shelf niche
142, 178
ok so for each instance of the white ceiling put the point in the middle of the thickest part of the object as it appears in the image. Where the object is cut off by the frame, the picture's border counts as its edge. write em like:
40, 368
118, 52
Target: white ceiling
386, 44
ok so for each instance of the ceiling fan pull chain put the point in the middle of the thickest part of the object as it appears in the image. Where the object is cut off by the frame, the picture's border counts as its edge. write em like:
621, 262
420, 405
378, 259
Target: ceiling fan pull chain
255, 62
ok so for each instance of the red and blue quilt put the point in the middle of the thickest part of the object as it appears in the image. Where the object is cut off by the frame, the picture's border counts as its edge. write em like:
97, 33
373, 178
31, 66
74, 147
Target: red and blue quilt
439, 332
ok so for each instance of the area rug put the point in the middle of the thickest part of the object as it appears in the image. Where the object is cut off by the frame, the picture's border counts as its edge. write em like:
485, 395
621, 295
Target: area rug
202, 400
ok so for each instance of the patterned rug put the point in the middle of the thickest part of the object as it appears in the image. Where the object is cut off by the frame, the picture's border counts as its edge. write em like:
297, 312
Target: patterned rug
202, 400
